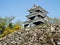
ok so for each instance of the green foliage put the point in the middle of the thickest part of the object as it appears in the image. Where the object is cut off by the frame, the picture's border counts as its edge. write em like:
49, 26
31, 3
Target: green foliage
7, 26
10, 25
19, 22
54, 21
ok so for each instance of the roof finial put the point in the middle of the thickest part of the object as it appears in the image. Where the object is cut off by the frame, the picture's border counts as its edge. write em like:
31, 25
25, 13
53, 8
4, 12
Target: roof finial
34, 5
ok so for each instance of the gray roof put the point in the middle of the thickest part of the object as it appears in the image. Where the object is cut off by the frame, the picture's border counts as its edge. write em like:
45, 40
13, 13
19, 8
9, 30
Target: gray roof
34, 7
30, 15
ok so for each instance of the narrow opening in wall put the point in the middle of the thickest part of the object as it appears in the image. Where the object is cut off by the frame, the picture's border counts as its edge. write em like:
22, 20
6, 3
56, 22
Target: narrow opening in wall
38, 23
38, 11
26, 25
32, 17
40, 16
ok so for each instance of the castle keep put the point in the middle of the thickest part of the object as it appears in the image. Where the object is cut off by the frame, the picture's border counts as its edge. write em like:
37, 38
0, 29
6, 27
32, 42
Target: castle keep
37, 16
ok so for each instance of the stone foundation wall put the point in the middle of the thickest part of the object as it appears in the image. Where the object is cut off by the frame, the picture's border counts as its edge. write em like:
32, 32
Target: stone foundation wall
40, 35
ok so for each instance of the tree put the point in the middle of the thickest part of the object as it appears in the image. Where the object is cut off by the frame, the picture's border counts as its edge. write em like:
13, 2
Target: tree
19, 22
54, 21
7, 26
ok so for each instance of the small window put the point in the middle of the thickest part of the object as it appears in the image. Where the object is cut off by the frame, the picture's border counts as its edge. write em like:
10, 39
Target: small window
38, 11
40, 16
32, 17
26, 25
30, 12
38, 23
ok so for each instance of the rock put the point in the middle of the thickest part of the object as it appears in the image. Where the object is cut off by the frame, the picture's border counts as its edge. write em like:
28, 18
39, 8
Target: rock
52, 29
40, 35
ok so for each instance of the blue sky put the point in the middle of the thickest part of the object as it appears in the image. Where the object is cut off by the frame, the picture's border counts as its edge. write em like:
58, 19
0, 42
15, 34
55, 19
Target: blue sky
18, 8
